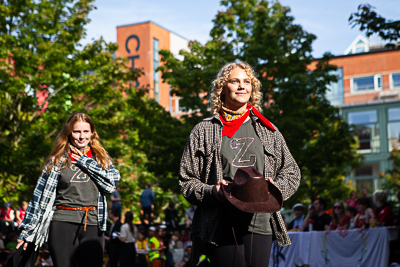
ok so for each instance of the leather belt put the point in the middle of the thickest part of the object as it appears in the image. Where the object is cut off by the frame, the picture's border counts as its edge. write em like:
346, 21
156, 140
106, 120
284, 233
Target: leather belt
86, 209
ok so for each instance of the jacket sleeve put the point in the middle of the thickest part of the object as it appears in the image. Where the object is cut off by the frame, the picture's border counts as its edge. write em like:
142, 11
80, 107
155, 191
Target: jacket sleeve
34, 211
193, 187
288, 175
106, 179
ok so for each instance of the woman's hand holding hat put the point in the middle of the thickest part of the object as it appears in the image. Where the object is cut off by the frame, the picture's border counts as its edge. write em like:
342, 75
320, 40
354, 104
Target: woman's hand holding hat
217, 190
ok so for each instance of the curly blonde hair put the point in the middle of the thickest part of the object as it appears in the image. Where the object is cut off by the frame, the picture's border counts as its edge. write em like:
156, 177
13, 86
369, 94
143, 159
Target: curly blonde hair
216, 97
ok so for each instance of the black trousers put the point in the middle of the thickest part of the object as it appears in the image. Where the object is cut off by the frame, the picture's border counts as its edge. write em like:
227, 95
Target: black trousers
71, 246
146, 213
128, 255
251, 250
24, 258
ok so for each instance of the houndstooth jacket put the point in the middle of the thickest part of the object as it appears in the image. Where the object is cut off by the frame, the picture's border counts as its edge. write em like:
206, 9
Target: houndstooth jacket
201, 169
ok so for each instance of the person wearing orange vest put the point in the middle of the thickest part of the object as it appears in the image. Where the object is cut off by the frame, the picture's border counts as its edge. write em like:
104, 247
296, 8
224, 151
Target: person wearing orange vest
142, 250
156, 247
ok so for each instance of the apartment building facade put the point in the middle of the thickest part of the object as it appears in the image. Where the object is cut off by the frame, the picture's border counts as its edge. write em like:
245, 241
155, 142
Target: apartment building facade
141, 43
368, 95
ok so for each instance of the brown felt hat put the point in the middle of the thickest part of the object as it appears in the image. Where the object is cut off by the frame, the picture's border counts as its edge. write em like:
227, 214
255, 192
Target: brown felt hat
250, 192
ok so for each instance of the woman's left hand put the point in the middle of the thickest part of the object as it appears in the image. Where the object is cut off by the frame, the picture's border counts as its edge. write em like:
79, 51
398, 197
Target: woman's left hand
270, 180
76, 156
217, 190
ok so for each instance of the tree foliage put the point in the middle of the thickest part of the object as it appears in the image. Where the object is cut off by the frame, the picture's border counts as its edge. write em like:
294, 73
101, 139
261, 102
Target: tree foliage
391, 178
264, 35
46, 75
372, 23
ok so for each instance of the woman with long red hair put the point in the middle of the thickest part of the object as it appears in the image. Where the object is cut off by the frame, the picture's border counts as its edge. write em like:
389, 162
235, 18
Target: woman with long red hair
69, 208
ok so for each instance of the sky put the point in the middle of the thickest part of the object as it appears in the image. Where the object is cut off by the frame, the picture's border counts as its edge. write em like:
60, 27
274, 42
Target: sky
326, 19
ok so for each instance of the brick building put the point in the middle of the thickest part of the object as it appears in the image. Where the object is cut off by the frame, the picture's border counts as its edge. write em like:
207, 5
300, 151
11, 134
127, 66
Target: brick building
141, 43
368, 95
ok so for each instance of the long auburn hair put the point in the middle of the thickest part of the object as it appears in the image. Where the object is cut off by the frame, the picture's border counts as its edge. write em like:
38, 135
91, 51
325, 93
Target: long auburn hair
129, 221
216, 97
61, 144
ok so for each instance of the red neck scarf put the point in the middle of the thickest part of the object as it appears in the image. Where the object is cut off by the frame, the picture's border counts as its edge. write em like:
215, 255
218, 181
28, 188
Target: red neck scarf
87, 152
230, 127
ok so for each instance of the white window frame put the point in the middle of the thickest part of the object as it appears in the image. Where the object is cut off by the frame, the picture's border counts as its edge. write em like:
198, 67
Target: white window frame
376, 87
391, 81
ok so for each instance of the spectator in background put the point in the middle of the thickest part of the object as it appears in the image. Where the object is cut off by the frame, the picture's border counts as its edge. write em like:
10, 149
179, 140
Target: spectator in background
340, 220
7, 217
351, 212
297, 222
184, 262
365, 213
115, 245
383, 212
364, 193
189, 214
185, 234
142, 250
317, 216
7, 213
171, 217
12, 242
352, 200
156, 247
21, 212
146, 201
177, 240
398, 214
168, 243
2, 241
128, 238
116, 201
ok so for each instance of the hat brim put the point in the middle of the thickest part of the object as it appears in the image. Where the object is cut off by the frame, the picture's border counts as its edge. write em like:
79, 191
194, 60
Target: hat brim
273, 204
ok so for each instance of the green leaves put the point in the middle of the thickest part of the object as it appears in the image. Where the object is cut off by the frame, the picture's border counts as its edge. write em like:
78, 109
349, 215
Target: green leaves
391, 178
46, 75
370, 22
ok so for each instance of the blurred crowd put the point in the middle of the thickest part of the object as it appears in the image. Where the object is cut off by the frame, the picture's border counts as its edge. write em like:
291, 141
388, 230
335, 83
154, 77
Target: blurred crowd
129, 241
141, 245
355, 212
167, 243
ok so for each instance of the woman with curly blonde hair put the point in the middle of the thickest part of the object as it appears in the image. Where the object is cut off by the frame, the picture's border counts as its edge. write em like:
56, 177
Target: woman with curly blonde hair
217, 98
236, 136
68, 207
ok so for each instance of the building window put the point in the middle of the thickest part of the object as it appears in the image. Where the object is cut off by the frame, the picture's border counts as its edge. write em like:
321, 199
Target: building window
365, 175
365, 183
394, 128
156, 74
335, 93
359, 45
395, 80
366, 83
367, 128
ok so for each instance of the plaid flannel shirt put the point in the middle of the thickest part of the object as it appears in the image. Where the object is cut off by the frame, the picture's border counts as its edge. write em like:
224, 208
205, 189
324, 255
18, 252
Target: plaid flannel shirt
40, 209
201, 169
